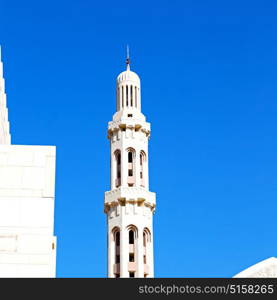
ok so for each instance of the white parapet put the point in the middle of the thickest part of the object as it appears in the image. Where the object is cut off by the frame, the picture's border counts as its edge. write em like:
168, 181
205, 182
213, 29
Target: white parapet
27, 192
130, 193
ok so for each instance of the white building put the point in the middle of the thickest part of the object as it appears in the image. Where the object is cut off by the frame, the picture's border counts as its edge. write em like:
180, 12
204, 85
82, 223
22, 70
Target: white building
264, 269
27, 184
129, 204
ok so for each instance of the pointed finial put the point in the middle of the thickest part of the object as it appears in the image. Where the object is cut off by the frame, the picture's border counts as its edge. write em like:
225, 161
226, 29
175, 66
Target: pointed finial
128, 58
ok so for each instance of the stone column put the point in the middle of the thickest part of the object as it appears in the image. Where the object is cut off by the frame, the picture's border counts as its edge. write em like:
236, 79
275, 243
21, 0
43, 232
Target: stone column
140, 264
137, 166
111, 254
124, 252
124, 163
146, 171
151, 256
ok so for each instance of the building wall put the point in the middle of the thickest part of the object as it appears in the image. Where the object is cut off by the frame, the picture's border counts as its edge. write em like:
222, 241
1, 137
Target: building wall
27, 191
5, 137
264, 269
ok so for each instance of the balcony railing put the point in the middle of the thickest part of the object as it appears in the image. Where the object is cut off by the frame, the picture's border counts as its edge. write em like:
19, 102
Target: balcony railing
131, 266
131, 248
131, 180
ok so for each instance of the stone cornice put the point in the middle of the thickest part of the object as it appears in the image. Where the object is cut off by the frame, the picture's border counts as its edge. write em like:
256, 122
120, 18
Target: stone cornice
122, 202
133, 124
131, 195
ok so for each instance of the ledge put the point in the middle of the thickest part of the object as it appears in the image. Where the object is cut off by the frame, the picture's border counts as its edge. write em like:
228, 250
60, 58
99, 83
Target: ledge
134, 124
123, 195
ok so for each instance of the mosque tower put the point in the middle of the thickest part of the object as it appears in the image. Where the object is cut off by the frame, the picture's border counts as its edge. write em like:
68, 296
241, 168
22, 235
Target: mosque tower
129, 204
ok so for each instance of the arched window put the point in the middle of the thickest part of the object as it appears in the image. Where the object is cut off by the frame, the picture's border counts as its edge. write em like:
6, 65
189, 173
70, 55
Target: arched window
122, 97
131, 236
142, 160
117, 238
146, 236
146, 241
131, 96
116, 241
131, 167
130, 157
117, 155
127, 96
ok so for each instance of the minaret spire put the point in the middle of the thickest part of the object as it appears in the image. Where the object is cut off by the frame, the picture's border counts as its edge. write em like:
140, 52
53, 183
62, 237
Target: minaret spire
128, 58
5, 137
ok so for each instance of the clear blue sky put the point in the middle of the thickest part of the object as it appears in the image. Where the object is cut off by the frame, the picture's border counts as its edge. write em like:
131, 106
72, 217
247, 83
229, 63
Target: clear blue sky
209, 89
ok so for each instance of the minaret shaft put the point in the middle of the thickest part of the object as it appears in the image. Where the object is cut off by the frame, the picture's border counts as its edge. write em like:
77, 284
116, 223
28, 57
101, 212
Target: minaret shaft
129, 204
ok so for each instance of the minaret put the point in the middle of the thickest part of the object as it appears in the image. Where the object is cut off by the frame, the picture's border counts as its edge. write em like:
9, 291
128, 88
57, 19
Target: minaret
129, 204
5, 137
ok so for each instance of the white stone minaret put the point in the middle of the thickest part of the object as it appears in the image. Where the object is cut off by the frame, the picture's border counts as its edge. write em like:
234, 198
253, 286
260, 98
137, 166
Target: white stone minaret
5, 137
129, 204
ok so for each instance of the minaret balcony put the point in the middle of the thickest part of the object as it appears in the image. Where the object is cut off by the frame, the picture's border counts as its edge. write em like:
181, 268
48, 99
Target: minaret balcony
131, 123
122, 194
